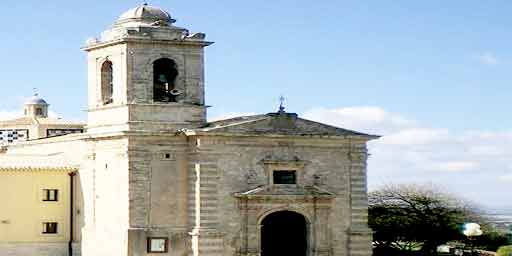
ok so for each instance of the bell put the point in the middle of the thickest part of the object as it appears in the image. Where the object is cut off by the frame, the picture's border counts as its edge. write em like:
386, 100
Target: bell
162, 78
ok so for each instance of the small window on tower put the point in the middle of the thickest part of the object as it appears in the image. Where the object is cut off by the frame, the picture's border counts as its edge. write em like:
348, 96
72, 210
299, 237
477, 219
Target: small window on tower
164, 80
107, 83
50, 228
285, 177
39, 111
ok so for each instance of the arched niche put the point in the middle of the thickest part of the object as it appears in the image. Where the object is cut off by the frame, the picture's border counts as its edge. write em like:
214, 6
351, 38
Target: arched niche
164, 80
107, 82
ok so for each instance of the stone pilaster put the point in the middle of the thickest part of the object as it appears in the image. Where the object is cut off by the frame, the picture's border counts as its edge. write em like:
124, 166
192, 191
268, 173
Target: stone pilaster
360, 236
321, 229
203, 206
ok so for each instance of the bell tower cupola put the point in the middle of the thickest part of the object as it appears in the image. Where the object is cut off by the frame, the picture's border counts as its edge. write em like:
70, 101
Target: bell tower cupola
36, 106
145, 74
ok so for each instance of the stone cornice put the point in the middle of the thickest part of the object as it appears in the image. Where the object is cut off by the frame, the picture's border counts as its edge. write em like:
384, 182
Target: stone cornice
145, 40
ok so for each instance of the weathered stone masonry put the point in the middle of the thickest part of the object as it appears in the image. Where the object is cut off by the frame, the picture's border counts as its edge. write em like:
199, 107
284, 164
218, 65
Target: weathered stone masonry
152, 169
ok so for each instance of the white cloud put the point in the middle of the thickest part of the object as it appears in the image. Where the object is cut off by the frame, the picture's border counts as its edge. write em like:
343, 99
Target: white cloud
6, 115
488, 58
369, 119
413, 153
457, 166
415, 136
53, 114
506, 178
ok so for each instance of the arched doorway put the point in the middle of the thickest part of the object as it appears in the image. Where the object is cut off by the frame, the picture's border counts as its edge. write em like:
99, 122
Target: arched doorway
284, 233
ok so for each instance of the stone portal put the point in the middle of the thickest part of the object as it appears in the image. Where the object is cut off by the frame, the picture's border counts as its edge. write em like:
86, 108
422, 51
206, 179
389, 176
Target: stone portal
284, 233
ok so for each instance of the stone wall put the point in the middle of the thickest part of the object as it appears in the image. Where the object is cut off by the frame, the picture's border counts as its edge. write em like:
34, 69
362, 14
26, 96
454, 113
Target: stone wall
184, 189
223, 167
105, 187
158, 192
39, 249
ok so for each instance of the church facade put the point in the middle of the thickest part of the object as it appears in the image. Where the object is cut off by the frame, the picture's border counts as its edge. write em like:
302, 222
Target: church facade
150, 175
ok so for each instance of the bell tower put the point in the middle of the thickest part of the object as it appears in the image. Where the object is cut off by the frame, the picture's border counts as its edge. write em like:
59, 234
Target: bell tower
145, 74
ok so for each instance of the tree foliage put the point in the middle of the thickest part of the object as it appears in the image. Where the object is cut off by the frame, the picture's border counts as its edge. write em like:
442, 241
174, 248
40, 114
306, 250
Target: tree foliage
416, 218
492, 239
504, 251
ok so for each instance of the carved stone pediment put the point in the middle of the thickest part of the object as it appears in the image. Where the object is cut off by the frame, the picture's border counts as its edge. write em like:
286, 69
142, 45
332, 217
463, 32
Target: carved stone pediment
288, 124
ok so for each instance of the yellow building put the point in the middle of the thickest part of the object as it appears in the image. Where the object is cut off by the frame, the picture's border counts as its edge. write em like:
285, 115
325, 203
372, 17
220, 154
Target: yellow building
35, 191
35, 187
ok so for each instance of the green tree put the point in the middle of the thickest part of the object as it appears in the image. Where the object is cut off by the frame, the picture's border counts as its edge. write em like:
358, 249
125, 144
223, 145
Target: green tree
504, 251
416, 218
491, 239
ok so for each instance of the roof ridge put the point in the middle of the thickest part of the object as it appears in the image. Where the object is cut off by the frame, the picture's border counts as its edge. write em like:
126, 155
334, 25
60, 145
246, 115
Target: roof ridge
339, 128
233, 118
234, 124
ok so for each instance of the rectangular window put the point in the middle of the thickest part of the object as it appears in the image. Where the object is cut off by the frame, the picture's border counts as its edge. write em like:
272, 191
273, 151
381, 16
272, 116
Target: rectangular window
60, 132
49, 227
285, 177
50, 195
157, 245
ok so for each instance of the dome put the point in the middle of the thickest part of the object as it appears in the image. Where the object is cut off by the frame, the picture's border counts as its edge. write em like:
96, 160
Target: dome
145, 13
35, 100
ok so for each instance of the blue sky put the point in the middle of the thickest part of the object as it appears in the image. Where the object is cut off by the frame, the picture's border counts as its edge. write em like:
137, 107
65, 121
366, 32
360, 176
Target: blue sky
432, 75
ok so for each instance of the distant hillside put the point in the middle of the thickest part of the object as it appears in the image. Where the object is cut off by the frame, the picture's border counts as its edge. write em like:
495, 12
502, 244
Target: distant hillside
501, 218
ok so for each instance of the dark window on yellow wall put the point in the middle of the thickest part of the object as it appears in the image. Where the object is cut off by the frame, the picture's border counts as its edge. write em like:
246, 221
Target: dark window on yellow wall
285, 177
50, 228
39, 111
50, 195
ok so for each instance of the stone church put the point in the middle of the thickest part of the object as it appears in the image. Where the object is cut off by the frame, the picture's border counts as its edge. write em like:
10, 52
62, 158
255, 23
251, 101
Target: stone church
151, 176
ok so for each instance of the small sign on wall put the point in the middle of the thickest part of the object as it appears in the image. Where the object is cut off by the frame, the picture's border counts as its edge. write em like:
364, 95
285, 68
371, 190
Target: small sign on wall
158, 244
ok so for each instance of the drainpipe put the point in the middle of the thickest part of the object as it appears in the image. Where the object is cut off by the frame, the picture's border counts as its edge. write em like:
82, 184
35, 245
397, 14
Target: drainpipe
71, 203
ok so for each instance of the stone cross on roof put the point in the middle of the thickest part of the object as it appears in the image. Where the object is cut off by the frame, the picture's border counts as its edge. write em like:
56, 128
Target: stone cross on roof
281, 104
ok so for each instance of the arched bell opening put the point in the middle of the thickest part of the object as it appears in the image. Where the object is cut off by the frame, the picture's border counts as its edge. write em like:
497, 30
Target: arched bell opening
284, 233
164, 80
107, 83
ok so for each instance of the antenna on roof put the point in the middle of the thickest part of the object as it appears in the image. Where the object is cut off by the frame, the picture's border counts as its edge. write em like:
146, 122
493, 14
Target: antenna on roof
35, 91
